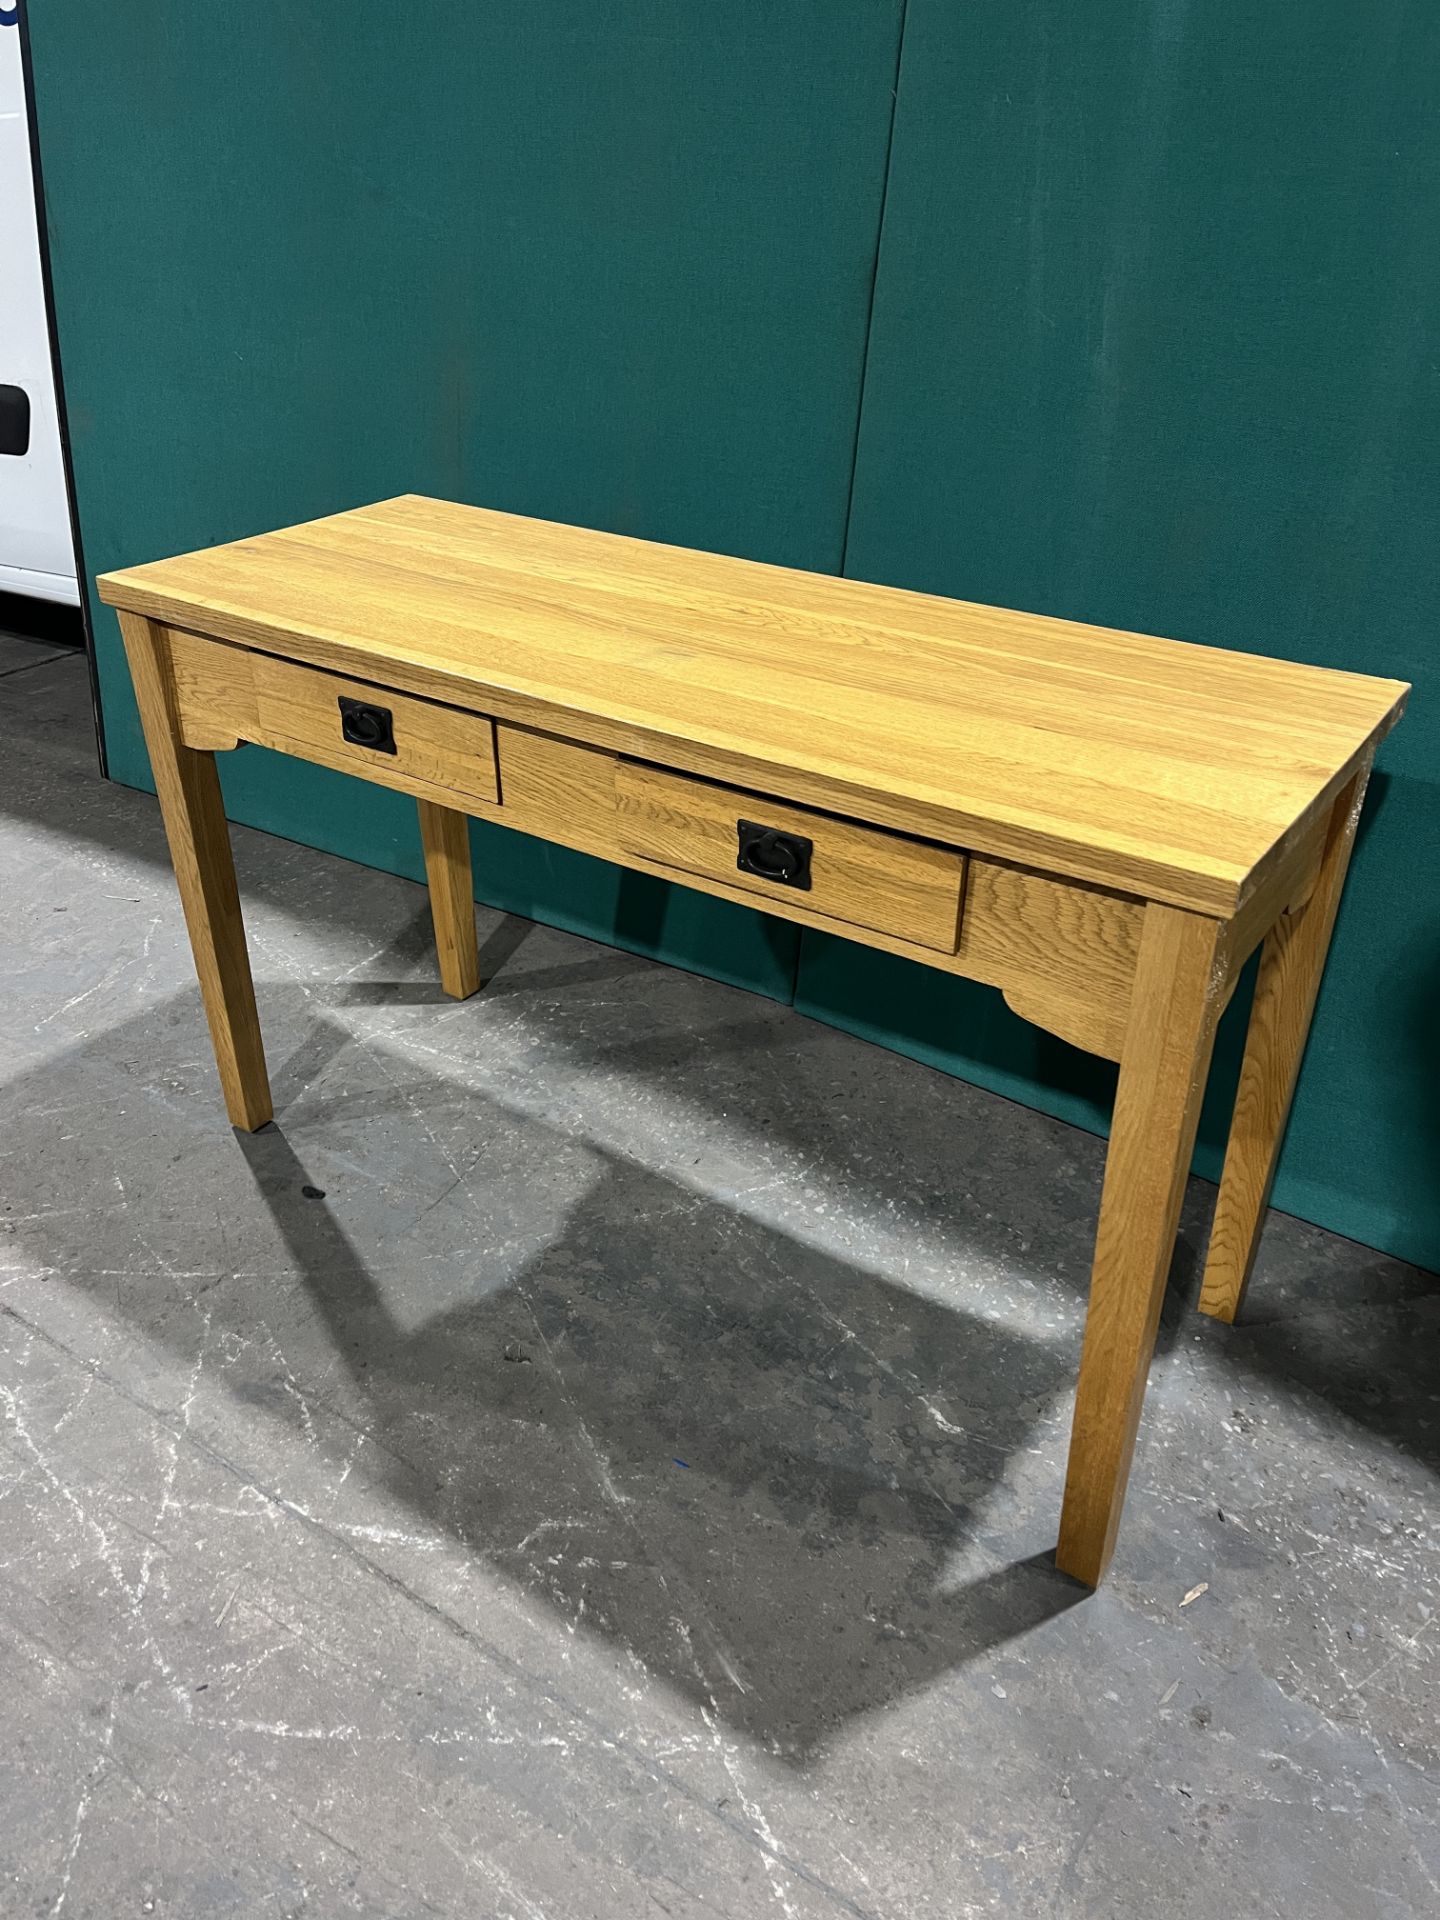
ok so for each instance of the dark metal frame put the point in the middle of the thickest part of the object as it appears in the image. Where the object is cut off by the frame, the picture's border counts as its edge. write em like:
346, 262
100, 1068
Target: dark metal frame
82, 577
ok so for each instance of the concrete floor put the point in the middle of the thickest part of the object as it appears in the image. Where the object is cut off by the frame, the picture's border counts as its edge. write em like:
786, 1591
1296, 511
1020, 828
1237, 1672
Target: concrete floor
599, 1454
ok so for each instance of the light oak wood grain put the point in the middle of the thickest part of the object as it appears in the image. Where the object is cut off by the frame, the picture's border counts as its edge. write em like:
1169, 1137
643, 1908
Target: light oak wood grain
227, 693
860, 875
1157, 768
1176, 1003
212, 691
445, 837
194, 816
1286, 888
1063, 955
1291, 965
1102, 825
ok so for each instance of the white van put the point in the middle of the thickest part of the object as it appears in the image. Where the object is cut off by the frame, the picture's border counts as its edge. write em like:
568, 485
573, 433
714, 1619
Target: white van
36, 553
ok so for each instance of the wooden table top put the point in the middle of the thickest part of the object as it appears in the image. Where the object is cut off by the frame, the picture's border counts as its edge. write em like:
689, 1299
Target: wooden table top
1173, 771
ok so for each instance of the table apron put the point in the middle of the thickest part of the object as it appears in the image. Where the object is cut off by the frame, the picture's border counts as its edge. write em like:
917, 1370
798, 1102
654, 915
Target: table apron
1062, 952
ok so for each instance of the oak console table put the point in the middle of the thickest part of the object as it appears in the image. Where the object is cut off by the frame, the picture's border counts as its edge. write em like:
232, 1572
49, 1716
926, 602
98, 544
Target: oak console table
1102, 825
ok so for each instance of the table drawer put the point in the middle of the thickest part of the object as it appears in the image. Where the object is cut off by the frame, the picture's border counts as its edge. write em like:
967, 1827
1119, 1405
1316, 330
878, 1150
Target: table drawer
419, 746
789, 856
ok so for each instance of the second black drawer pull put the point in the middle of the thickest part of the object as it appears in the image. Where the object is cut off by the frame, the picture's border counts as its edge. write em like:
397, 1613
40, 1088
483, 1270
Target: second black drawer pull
774, 855
366, 726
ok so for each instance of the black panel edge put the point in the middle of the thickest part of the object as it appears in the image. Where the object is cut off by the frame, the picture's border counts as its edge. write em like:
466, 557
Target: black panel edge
57, 370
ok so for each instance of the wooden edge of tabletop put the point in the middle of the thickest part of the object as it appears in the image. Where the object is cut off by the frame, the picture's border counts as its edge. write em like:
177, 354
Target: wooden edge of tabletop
1150, 877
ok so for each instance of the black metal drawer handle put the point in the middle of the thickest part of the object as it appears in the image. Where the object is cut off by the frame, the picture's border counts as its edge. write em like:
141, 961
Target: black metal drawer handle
366, 726
774, 855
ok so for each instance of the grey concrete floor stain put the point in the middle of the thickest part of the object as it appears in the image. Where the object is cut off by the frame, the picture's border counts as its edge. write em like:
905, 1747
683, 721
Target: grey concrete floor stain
599, 1453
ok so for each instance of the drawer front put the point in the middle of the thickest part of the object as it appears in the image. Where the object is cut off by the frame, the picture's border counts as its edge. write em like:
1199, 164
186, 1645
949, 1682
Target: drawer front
418, 746
790, 857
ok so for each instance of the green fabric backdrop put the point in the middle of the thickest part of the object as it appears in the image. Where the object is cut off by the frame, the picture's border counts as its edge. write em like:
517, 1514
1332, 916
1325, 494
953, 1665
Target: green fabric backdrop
607, 261
1153, 343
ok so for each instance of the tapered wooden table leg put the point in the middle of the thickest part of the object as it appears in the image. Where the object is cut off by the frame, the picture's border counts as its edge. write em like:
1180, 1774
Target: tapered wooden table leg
1291, 964
1169, 1036
445, 836
195, 825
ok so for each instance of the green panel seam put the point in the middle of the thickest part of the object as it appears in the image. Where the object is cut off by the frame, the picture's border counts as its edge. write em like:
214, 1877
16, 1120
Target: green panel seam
870, 302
